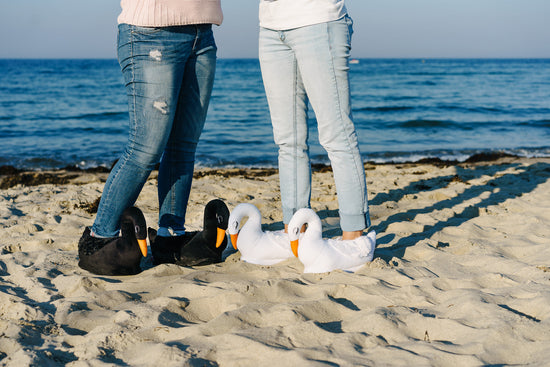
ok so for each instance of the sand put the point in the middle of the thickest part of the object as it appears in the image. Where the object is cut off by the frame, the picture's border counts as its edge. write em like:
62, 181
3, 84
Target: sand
461, 277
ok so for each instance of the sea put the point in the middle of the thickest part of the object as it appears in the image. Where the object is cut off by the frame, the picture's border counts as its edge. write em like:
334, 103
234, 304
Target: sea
59, 113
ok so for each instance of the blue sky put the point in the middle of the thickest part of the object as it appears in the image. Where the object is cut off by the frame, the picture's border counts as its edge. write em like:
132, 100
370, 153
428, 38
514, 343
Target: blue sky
383, 28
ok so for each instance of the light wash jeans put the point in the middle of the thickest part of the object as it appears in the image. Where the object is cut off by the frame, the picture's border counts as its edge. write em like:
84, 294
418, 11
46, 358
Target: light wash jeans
312, 63
169, 74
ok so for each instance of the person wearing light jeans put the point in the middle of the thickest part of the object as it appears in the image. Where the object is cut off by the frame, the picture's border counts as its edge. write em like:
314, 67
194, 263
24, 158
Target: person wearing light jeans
304, 51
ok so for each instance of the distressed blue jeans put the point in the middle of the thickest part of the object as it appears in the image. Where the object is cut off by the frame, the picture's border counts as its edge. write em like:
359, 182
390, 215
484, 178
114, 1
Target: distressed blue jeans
169, 74
312, 64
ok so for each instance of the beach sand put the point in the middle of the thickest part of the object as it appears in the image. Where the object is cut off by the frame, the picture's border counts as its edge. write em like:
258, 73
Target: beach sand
461, 276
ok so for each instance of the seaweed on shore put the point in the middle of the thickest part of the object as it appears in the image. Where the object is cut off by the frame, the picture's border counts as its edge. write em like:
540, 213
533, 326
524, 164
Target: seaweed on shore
88, 207
9, 170
98, 169
11, 176
244, 172
35, 179
438, 162
488, 157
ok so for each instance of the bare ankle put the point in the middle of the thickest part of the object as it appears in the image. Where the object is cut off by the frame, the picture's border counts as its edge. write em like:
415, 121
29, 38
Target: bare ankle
351, 235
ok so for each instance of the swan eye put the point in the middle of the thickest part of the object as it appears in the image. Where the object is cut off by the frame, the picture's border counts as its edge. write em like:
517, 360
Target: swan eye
296, 231
236, 225
219, 218
136, 228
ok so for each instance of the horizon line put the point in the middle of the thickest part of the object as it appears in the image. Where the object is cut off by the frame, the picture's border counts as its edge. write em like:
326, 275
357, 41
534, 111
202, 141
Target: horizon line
351, 58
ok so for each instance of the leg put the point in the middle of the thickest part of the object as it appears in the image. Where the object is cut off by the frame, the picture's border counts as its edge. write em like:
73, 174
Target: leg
153, 82
288, 107
178, 161
323, 52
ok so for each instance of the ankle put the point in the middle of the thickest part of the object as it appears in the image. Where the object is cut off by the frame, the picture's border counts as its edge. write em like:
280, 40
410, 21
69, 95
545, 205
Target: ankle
351, 235
169, 232
95, 235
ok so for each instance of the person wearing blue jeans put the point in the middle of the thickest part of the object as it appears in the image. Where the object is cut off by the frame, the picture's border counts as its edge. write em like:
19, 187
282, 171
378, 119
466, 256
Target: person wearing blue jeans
304, 50
167, 54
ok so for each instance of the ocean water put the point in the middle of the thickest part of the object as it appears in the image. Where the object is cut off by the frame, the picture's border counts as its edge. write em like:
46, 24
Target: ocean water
55, 113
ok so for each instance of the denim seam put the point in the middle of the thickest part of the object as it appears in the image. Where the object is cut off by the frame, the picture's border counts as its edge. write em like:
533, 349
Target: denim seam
172, 176
295, 133
340, 115
196, 38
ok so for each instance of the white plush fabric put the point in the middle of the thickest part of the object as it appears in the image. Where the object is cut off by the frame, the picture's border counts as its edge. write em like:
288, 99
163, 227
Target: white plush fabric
256, 246
323, 255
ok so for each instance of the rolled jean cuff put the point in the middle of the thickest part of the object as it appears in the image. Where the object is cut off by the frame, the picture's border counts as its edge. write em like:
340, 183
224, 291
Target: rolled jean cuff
356, 222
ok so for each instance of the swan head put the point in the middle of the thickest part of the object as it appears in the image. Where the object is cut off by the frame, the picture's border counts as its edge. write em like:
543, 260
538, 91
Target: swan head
216, 214
299, 219
233, 229
233, 226
133, 217
237, 214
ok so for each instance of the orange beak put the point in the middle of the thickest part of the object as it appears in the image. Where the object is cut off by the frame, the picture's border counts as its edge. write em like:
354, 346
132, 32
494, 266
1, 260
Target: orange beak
294, 247
234, 240
143, 247
221, 237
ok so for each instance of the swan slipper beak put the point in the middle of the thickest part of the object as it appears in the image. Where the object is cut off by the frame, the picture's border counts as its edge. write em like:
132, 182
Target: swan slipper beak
143, 247
234, 240
294, 247
220, 238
